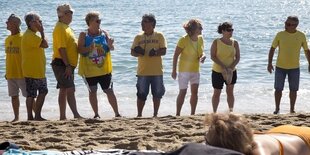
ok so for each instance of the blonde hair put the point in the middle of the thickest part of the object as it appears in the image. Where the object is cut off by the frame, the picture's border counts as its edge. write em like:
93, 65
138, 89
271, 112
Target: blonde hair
192, 25
91, 15
229, 131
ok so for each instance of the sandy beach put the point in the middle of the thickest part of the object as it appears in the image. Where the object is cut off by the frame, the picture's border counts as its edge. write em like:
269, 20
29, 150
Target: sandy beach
162, 133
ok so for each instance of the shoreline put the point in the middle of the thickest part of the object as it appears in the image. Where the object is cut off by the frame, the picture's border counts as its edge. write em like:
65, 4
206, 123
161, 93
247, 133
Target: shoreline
125, 133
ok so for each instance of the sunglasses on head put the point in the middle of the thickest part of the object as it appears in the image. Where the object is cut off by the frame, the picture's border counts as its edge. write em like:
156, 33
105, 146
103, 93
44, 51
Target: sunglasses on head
229, 30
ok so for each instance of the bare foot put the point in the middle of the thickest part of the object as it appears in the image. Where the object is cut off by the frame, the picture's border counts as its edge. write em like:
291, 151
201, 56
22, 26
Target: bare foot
15, 120
40, 119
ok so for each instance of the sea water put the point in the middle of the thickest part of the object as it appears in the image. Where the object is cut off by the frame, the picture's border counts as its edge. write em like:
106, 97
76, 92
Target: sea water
255, 23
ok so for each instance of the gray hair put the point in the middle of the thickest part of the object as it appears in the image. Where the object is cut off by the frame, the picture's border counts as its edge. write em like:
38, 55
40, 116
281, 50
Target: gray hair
31, 16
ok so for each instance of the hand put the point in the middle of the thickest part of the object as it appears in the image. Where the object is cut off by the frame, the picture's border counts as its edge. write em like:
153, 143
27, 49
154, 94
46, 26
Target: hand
202, 59
152, 52
174, 75
40, 26
68, 72
139, 50
110, 41
270, 68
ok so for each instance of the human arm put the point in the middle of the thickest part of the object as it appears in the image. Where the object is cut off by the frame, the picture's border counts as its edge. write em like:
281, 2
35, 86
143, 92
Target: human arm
82, 49
307, 53
237, 56
109, 39
40, 28
177, 52
270, 56
63, 54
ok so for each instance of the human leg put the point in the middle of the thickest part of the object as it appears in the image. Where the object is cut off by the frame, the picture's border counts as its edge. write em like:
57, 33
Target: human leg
293, 96
280, 75
72, 102
158, 90
38, 108
194, 98
29, 103
143, 86
293, 80
216, 99
62, 101
113, 101
180, 100
94, 102
230, 96
156, 104
217, 84
15, 105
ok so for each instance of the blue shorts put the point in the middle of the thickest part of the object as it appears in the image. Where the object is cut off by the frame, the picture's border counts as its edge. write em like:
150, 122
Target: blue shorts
35, 85
218, 80
293, 78
143, 86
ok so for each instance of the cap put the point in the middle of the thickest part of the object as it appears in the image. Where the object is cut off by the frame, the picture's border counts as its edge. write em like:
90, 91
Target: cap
64, 8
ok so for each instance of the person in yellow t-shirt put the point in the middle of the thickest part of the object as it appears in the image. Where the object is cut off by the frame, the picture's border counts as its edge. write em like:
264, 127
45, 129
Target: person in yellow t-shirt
289, 42
34, 64
190, 49
13, 59
148, 47
65, 58
225, 54
95, 65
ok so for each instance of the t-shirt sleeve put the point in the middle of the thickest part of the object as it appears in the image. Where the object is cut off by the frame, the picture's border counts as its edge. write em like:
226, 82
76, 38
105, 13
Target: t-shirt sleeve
181, 43
135, 42
304, 43
60, 38
275, 42
162, 41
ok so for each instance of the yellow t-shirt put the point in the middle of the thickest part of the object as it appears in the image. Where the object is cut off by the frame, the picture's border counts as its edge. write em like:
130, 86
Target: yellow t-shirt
13, 57
33, 56
88, 69
225, 53
289, 48
189, 58
149, 66
63, 37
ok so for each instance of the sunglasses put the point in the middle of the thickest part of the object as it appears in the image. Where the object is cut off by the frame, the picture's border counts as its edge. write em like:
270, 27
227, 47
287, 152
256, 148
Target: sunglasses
290, 24
98, 21
200, 28
229, 30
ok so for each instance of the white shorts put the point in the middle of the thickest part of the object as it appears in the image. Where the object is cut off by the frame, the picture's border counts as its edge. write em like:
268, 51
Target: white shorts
185, 77
14, 85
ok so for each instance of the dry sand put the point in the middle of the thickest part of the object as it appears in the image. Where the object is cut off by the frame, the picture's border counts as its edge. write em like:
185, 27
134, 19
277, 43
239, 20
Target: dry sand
162, 133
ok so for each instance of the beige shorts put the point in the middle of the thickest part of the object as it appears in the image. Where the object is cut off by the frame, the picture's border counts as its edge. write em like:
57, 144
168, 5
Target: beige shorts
185, 77
15, 85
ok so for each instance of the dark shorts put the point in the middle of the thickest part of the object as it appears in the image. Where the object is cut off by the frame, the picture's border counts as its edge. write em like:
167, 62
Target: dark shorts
218, 80
293, 78
35, 85
104, 81
59, 69
143, 86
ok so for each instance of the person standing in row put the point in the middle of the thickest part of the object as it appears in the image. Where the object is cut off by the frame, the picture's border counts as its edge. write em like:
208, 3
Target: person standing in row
34, 65
13, 61
225, 54
289, 42
149, 46
190, 49
95, 46
65, 58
